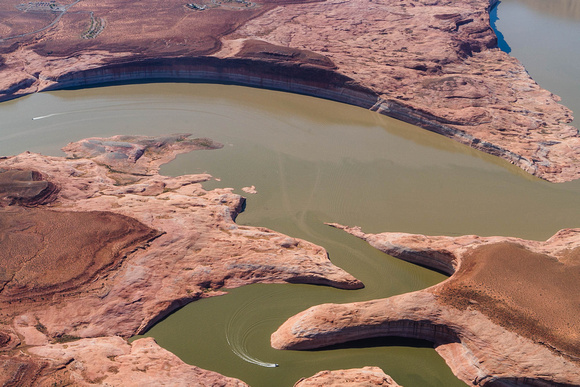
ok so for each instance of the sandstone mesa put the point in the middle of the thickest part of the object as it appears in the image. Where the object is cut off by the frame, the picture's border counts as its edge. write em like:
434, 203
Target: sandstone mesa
507, 316
143, 245
433, 63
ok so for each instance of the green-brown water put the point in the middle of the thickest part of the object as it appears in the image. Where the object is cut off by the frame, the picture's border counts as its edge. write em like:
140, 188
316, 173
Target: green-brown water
312, 161
545, 36
315, 161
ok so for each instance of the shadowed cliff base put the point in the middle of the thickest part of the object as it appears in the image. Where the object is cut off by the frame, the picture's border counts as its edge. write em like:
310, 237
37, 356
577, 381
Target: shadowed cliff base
507, 315
501, 42
383, 341
436, 66
294, 76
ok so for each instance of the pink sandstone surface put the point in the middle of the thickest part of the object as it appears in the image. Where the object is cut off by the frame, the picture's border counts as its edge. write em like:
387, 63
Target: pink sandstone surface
113, 361
362, 377
507, 316
111, 248
433, 63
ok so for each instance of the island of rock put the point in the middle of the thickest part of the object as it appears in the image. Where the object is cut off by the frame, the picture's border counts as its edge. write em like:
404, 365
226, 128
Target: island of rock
98, 246
432, 63
507, 316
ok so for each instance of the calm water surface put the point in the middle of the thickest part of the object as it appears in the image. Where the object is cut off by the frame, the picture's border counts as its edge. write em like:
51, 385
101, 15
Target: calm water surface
545, 36
312, 161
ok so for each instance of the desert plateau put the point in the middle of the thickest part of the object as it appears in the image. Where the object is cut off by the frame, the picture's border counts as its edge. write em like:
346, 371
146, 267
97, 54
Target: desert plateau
104, 244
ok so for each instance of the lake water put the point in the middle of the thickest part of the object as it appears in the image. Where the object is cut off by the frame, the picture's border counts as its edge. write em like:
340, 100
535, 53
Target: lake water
545, 36
312, 161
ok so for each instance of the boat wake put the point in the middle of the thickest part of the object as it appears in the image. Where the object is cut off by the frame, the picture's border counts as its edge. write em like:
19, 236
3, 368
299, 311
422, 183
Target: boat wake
238, 331
47, 116
240, 352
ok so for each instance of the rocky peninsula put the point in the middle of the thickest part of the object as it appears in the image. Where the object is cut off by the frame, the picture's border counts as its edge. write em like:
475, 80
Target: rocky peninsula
434, 64
507, 316
97, 247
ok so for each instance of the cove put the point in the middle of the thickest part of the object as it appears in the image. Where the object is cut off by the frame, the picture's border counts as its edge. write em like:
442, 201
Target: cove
389, 185
312, 161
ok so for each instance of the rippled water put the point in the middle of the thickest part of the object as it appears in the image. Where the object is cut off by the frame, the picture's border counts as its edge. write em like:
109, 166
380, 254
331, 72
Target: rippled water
314, 161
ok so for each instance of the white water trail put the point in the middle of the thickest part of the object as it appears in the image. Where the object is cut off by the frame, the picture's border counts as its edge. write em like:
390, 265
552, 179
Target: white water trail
134, 107
48, 116
237, 332
237, 349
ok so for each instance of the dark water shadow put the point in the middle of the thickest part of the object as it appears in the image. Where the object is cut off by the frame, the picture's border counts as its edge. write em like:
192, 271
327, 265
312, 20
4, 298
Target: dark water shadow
493, 18
374, 342
149, 80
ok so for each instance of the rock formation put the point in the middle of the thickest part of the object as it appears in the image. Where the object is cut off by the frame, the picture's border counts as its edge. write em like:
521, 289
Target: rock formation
24, 187
367, 376
99, 245
113, 361
434, 64
508, 315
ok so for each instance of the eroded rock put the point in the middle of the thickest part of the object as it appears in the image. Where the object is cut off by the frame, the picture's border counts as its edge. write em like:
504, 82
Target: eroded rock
24, 187
433, 64
363, 377
113, 361
46, 252
507, 315
120, 247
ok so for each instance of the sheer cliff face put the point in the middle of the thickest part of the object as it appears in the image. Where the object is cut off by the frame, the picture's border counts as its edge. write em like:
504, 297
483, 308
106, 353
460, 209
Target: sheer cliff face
433, 64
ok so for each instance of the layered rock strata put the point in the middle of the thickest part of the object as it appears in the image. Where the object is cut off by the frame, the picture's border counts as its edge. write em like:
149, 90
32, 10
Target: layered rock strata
24, 187
114, 248
508, 315
433, 64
